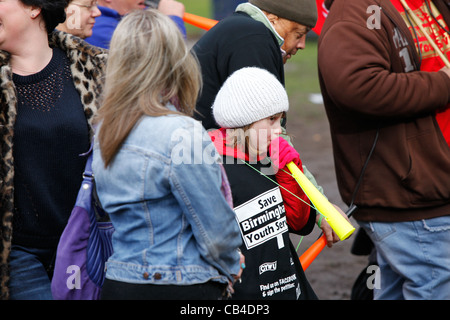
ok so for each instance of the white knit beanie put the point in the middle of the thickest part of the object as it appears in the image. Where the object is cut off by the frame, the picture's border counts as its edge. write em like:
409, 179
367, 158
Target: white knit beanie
248, 95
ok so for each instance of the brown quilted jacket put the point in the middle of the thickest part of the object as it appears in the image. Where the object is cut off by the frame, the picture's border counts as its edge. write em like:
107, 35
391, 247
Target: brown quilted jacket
371, 84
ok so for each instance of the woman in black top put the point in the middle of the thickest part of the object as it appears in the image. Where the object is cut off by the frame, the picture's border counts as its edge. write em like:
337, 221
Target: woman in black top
50, 84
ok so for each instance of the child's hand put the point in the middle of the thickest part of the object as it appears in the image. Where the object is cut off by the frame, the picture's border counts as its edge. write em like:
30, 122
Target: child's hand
281, 153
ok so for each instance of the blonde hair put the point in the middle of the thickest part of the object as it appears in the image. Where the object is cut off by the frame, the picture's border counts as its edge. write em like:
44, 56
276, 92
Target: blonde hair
149, 65
239, 138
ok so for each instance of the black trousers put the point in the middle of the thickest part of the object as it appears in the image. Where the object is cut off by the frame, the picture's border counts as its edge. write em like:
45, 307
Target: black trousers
117, 290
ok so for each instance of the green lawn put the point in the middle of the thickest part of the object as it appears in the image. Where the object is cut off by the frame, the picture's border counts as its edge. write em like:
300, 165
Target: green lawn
301, 77
198, 7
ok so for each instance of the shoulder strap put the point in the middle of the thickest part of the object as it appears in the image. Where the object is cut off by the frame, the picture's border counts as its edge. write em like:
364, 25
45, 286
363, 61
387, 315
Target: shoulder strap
88, 168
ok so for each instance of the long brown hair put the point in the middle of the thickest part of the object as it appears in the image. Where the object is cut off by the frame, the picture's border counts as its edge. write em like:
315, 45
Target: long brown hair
149, 65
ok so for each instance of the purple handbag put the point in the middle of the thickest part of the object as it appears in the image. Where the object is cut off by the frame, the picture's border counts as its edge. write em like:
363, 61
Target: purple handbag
84, 246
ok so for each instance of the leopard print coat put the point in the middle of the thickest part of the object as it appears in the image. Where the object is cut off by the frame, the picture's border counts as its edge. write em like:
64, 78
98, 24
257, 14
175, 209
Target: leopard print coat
88, 64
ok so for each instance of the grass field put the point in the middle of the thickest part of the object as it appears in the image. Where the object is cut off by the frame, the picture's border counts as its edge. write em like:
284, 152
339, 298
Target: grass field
302, 81
201, 8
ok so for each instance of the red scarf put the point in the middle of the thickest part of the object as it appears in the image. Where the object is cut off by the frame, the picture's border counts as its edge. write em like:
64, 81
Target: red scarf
430, 60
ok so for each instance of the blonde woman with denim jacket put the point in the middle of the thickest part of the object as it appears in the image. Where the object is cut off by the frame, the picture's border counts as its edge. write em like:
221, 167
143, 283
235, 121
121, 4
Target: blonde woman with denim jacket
157, 173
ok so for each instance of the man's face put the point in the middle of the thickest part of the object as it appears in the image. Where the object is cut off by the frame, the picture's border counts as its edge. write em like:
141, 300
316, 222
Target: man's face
294, 35
126, 6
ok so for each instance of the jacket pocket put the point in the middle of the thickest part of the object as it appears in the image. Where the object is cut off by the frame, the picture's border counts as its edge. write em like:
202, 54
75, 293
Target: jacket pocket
428, 178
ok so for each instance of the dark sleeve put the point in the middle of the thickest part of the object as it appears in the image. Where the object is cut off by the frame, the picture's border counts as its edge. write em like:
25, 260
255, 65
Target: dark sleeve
258, 50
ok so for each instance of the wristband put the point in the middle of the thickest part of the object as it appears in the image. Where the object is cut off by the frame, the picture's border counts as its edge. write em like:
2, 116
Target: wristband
319, 223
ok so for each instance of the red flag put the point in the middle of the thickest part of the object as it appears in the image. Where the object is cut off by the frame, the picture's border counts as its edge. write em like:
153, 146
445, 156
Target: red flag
322, 13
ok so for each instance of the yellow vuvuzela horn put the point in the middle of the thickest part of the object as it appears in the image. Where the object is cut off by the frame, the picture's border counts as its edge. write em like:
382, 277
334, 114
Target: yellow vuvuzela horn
338, 223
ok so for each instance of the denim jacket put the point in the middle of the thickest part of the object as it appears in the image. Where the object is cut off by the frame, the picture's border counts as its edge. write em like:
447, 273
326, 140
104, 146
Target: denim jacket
162, 192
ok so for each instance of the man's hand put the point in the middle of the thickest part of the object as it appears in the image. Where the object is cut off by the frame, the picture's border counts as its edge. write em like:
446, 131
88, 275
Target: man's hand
446, 70
171, 8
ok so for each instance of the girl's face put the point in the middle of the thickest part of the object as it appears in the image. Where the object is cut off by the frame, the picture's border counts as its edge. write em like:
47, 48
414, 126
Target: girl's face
262, 132
81, 16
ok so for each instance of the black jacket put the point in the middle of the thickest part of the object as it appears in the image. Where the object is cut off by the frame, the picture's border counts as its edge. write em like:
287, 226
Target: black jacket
236, 42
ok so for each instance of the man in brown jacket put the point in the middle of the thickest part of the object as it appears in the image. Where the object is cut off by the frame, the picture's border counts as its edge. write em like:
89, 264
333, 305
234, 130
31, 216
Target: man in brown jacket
391, 157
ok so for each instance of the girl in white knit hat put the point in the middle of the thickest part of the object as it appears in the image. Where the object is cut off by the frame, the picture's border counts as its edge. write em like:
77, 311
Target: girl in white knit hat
248, 108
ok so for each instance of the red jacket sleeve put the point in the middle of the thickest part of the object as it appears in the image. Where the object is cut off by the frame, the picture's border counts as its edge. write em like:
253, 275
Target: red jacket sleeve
297, 211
